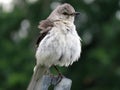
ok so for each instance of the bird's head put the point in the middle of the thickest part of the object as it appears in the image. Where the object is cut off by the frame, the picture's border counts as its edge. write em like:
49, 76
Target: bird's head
63, 12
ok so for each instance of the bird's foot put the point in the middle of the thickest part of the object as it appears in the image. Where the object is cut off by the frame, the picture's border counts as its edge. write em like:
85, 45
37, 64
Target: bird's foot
56, 79
59, 78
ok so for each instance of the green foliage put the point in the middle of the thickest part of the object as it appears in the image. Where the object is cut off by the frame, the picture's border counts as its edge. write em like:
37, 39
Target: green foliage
98, 26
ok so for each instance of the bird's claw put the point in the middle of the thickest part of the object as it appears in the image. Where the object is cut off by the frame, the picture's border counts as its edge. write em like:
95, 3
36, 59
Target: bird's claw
59, 78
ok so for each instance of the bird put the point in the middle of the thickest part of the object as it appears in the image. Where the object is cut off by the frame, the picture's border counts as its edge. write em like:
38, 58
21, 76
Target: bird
58, 44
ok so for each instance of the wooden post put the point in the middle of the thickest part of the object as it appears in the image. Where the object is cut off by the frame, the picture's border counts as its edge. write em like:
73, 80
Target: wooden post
64, 84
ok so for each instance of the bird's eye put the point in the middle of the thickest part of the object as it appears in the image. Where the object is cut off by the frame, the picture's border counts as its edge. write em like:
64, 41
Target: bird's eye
64, 13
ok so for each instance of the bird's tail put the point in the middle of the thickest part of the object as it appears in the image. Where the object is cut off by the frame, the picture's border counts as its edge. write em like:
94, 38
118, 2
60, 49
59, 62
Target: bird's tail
39, 71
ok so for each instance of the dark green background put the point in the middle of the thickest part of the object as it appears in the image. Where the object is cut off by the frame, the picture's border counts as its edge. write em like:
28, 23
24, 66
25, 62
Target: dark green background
98, 26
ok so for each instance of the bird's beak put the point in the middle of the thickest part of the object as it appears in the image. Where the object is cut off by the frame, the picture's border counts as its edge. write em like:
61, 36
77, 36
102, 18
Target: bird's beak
77, 13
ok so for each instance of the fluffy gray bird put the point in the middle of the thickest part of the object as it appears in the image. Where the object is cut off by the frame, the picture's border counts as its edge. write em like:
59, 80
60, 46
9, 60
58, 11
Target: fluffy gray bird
58, 44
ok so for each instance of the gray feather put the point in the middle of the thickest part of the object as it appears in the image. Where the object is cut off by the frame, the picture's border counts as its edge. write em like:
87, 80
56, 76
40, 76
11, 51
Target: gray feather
37, 76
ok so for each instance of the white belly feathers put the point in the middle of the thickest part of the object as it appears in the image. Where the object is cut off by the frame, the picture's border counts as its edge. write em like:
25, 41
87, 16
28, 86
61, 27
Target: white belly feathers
59, 47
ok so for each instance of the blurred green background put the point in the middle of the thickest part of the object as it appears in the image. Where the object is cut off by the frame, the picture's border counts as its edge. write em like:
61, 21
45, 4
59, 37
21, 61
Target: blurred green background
98, 25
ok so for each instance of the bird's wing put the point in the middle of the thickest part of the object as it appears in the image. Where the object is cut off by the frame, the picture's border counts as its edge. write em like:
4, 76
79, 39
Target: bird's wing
45, 26
41, 36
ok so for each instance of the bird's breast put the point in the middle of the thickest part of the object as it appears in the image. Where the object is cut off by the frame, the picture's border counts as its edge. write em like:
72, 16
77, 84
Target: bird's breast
59, 47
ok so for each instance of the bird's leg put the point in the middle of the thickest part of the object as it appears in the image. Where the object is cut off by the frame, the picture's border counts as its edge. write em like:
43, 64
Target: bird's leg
60, 76
57, 70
